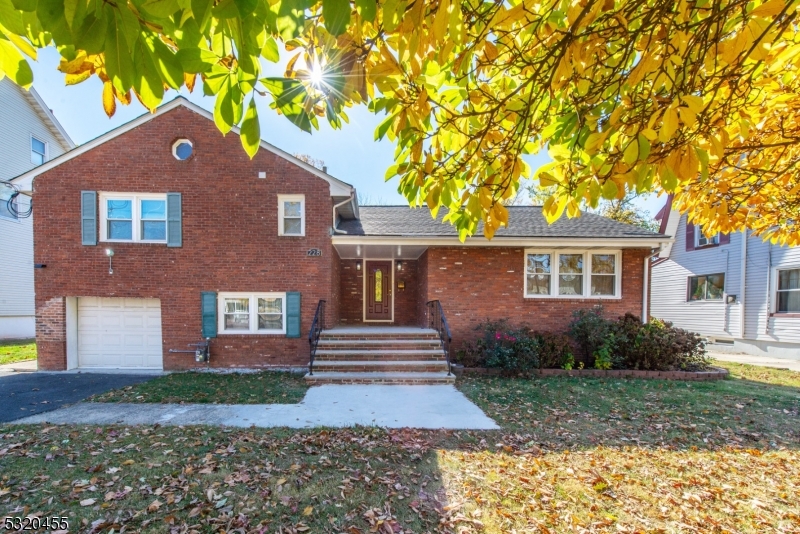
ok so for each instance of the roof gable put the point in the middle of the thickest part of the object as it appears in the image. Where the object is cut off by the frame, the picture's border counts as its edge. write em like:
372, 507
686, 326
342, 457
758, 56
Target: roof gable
338, 188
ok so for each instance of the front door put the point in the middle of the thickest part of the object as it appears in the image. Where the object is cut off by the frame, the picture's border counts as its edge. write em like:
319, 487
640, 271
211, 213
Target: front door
379, 291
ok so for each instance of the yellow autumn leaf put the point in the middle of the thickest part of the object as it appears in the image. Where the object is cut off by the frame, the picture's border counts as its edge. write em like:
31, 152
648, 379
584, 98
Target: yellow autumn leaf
769, 9
109, 105
308, 510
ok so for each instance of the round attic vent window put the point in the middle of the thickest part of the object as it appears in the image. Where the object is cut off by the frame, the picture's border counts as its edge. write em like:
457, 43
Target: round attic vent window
182, 149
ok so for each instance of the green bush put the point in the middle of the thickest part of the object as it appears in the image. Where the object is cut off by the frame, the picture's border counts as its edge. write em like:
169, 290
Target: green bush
657, 346
625, 343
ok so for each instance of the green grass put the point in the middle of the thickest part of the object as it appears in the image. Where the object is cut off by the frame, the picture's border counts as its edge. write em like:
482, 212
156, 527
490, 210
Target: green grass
767, 375
17, 350
573, 455
266, 387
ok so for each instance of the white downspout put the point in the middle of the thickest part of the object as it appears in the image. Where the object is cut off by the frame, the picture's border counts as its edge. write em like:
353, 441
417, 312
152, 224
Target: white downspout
335, 207
742, 284
646, 285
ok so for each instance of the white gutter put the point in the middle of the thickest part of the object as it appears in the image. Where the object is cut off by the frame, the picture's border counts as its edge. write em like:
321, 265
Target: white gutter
335, 207
742, 283
646, 286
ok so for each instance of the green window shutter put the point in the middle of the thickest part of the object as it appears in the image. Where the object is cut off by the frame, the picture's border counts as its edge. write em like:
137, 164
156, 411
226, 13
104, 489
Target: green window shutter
208, 304
174, 233
89, 217
293, 314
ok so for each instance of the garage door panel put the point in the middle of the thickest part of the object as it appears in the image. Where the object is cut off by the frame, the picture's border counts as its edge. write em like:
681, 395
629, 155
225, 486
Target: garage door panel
119, 332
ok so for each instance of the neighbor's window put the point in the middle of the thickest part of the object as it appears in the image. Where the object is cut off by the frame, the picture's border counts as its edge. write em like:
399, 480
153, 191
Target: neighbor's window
38, 151
291, 215
572, 274
789, 291
702, 240
706, 287
252, 313
136, 218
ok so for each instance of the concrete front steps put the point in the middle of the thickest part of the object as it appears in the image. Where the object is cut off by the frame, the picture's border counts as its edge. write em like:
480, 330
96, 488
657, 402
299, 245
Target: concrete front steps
379, 355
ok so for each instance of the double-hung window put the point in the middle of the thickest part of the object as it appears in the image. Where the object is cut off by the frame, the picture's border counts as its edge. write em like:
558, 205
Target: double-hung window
788, 298
703, 240
572, 274
706, 287
252, 313
291, 215
133, 217
38, 151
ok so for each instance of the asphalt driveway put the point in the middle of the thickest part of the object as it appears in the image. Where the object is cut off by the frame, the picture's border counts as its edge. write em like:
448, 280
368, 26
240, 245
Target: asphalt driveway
25, 394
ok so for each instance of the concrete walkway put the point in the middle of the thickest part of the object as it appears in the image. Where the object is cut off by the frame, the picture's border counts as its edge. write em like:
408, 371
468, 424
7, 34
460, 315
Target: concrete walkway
27, 366
762, 361
391, 406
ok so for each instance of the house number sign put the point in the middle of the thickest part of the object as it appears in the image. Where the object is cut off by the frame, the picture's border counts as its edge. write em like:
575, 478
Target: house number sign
314, 252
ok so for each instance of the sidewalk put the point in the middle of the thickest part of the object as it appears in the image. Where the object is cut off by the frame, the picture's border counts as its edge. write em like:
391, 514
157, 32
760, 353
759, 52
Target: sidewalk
762, 361
28, 366
394, 406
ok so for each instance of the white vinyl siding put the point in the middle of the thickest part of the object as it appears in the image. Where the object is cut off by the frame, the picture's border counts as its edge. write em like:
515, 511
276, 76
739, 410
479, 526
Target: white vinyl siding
720, 319
19, 120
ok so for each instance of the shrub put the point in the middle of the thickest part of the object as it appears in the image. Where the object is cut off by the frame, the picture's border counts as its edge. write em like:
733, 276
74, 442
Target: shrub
590, 330
555, 351
514, 350
657, 346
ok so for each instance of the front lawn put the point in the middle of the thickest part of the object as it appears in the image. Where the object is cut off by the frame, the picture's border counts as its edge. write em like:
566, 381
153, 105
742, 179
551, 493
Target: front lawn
574, 455
266, 387
17, 350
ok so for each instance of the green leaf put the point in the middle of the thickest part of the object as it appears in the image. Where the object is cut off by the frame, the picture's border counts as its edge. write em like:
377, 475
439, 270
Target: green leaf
289, 97
147, 82
24, 5
51, 15
223, 109
610, 190
168, 65
289, 20
644, 148
14, 65
92, 33
129, 24
70, 8
201, 11
631, 152
119, 65
246, 7
160, 8
196, 60
337, 15
393, 14
270, 50
10, 18
251, 130
367, 9
226, 9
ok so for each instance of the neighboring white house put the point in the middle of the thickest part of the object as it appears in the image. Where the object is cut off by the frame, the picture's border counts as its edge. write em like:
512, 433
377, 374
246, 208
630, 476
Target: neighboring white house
29, 136
743, 295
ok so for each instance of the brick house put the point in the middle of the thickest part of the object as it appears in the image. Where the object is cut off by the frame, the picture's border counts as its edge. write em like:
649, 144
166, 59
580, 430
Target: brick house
163, 233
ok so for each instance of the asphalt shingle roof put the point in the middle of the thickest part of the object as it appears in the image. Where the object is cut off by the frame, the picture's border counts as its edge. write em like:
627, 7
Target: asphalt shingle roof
523, 221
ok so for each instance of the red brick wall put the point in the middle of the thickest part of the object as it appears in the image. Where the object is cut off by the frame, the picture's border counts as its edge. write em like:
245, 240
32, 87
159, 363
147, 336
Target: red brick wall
352, 294
230, 239
474, 284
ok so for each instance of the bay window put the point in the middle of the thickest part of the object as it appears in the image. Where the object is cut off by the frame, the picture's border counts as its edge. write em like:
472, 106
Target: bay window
572, 274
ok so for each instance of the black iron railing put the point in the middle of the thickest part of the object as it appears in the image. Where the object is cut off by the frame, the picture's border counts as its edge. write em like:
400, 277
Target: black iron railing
317, 326
438, 322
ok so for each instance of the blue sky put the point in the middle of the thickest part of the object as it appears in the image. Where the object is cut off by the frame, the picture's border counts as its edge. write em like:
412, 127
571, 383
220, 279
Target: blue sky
351, 153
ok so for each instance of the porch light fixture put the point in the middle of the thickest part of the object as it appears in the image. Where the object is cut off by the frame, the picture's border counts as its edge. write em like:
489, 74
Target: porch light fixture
110, 254
358, 266
399, 265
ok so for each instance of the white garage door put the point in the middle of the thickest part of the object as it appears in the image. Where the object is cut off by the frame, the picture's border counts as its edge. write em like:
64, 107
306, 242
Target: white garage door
119, 333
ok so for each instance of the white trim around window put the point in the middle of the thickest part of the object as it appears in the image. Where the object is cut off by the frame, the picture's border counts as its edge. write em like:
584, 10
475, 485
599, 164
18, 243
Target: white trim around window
41, 154
784, 300
251, 313
288, 215
701, 240
568, 273
138, 214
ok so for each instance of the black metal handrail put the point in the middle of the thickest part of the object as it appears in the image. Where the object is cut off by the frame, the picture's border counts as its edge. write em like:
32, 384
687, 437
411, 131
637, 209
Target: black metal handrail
438, 322
317, 326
